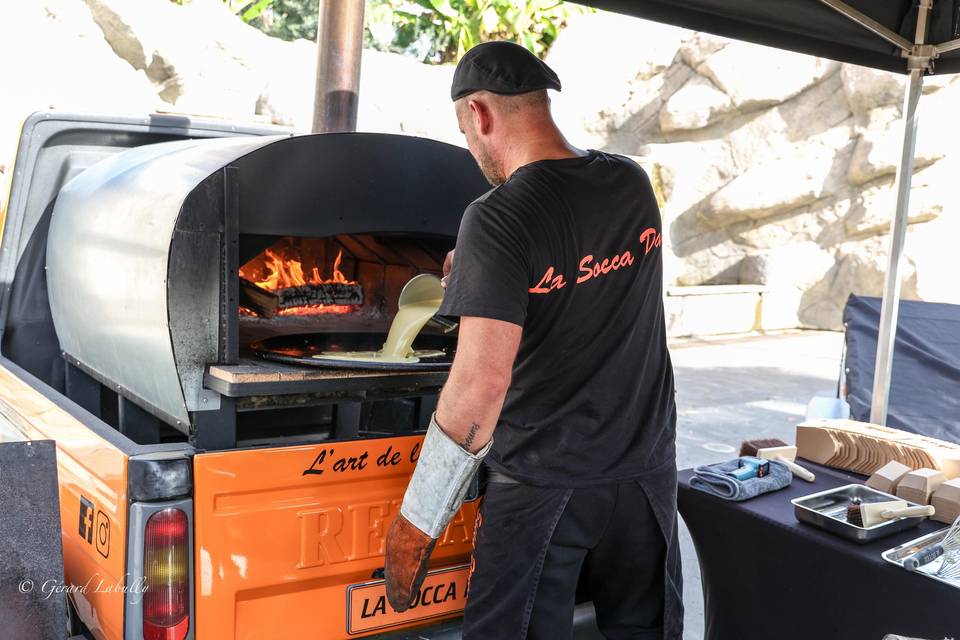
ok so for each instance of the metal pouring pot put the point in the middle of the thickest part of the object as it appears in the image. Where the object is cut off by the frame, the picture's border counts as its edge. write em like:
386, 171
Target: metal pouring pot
422, 288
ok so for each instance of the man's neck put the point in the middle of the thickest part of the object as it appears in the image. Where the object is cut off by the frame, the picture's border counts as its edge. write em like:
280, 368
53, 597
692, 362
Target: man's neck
535, 146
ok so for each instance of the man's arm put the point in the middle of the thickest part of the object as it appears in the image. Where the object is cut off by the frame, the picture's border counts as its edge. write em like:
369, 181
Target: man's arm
491, 279
470, 402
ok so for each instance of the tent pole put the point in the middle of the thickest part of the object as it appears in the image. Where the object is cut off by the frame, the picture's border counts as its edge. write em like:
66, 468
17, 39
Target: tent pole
946, 47
898, 232
918, 63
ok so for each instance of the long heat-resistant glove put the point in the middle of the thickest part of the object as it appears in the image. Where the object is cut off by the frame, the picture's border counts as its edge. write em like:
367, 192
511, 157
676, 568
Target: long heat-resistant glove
433, 497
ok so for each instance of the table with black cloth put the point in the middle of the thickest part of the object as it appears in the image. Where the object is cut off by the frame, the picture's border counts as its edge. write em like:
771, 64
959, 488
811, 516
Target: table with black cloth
766, 575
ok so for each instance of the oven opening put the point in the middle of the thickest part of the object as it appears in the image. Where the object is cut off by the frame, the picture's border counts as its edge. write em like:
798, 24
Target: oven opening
340, 290
337, 284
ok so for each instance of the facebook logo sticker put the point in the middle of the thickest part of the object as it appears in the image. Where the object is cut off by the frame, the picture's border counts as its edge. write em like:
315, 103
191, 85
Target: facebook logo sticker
86, 520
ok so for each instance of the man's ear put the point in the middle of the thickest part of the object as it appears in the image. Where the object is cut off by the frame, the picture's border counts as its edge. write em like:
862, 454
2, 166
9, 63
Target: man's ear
480, 113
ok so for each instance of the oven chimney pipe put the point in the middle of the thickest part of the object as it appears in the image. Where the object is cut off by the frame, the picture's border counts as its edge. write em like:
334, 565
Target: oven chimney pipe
339, 47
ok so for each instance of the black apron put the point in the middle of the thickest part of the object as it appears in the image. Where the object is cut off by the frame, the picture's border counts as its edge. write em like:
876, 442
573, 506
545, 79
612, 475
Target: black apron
524, 532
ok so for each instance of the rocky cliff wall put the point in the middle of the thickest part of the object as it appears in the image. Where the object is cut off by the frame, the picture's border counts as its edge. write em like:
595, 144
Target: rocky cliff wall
777, 168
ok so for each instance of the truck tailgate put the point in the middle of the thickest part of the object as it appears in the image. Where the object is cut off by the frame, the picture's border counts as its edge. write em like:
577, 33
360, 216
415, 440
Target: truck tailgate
290, 542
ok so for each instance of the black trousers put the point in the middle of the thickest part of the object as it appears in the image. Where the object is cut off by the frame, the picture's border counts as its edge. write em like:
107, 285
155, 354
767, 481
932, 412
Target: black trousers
533, 547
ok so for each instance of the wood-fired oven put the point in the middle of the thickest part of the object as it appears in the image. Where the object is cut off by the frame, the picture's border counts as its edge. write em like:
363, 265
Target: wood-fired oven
168, 263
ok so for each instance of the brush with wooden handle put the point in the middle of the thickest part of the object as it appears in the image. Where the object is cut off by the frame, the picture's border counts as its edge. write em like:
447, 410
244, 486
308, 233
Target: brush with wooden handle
868, 515
778, 450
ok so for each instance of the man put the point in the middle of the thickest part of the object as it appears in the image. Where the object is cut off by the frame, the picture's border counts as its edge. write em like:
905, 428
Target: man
562, 384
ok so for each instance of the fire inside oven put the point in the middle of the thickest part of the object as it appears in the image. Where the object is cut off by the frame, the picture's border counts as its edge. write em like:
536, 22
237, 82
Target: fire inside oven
343, 283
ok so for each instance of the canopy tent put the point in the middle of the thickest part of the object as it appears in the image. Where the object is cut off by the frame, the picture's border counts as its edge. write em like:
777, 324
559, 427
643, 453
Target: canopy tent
815, 27
916, 37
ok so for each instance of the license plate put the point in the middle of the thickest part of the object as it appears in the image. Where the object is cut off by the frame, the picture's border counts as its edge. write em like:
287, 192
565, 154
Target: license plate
443, 593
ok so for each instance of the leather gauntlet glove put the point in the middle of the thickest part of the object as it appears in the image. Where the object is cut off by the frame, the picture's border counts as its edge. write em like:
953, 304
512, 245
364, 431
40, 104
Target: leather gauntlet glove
434, 495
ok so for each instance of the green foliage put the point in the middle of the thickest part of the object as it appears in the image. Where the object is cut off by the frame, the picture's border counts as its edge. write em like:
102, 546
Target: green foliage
253, 11
443, 30
435, 31
288, 19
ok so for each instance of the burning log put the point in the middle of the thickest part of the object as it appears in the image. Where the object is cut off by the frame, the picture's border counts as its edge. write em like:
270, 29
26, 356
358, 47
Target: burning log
257, 299
326, 294
293, 291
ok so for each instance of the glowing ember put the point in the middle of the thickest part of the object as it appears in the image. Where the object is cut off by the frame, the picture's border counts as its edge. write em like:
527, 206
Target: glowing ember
273, 272
307, 310
313, 309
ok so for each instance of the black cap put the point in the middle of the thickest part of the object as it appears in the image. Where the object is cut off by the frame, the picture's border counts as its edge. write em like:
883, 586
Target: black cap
501, 67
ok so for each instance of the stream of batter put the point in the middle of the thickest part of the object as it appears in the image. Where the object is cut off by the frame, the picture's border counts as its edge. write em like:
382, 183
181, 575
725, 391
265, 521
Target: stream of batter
398, 348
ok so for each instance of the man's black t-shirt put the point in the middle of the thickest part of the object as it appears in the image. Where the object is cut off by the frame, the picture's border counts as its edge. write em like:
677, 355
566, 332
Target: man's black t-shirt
570, 250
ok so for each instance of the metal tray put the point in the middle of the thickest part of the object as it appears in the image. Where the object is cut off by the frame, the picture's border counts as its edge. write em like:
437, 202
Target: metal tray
828, 511
898, 554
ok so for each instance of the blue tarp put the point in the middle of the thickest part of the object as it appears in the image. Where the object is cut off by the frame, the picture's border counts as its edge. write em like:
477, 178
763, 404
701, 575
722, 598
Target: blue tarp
925, 389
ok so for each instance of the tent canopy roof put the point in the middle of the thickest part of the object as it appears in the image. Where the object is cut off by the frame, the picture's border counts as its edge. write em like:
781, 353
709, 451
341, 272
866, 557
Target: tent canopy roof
808, 26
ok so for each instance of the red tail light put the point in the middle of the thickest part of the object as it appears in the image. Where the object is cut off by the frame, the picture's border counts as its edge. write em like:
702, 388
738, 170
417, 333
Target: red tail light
166, 600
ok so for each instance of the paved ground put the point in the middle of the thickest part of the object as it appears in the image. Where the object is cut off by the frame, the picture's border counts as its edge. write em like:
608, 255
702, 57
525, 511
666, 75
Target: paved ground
732, 389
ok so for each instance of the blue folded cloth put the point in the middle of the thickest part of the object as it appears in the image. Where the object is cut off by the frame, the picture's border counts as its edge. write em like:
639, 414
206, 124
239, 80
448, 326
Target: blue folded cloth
712, 478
